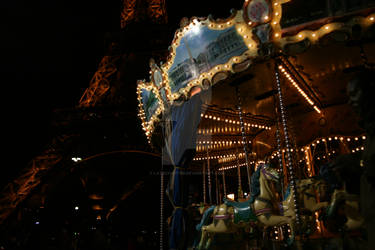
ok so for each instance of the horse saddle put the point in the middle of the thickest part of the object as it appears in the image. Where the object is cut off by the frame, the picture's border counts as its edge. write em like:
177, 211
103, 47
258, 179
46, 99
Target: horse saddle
242, 211
235, 204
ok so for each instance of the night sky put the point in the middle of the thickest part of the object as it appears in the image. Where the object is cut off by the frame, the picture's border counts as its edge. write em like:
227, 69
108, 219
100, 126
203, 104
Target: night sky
49, 52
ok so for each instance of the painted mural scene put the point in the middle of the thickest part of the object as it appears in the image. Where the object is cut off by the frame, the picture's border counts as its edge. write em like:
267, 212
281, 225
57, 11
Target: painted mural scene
150, 103
202, 49
206, 125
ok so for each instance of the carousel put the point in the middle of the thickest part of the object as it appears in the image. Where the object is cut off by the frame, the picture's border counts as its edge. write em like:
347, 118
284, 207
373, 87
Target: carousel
257, 106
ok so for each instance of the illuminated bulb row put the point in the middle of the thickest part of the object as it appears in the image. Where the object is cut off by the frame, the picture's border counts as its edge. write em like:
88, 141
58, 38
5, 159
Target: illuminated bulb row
329, 27
231, 158
274, 154
276, 19
323, 157
317, 221
218, 157
204, 148
148, 127
358, 149
233, 166
257, 164
308, 164
224, 160
200, 148
318, 141
218, 130
329, 154
225, 143
276, 233
294, 83
220, 25
230, 121
341, 138
312, 35
246, 34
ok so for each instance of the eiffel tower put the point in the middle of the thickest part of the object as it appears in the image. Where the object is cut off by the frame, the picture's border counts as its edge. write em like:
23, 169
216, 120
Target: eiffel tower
104, 122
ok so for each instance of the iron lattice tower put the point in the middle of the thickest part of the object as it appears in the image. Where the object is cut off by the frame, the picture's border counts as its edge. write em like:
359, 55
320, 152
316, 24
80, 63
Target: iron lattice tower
31, 177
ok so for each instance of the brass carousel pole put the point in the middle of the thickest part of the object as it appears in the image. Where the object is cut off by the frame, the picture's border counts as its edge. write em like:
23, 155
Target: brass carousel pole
217, 187
243, 137
279, 151
240, 193
287, 144
209, 177
224, 186
204, 182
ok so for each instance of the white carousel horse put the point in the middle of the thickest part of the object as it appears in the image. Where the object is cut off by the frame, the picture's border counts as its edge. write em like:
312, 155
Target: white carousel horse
264, 202
230, 216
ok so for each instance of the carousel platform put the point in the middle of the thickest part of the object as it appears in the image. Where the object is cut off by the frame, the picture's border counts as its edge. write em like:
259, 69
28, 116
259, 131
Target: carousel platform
246, 242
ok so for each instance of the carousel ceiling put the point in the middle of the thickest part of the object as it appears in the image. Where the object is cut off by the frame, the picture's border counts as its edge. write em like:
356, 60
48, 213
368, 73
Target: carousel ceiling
236, 60
323, 74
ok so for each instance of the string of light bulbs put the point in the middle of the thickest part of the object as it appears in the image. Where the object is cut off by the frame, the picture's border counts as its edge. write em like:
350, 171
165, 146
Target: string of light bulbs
292, 80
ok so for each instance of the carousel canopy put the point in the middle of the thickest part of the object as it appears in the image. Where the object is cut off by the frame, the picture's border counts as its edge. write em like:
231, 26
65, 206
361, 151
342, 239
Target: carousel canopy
315, 52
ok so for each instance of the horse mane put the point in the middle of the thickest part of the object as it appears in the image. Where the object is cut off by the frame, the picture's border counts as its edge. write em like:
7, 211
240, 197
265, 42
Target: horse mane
255, 184
287, 192
205, 218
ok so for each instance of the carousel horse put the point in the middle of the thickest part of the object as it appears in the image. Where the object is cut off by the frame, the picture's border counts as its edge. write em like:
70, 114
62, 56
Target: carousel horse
307, 190
344, 211
346, 206
231, 216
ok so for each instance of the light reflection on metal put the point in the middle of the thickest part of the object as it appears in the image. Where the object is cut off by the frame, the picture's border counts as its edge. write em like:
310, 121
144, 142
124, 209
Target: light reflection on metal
157, 11
209, 178
128, 12
244, 140
287, 144
279, 148
19, 189
100, 82
263, 144
239, 177
204, 183
136, 10
224, 184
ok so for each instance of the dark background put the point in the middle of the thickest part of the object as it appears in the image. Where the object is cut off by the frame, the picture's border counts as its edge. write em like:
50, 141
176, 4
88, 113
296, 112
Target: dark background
49, 52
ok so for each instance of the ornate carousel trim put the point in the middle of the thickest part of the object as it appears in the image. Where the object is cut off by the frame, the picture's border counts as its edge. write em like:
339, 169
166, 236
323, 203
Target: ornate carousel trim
149, 114
257, 29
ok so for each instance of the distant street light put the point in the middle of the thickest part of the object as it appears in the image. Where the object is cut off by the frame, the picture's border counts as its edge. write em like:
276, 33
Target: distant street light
76, 159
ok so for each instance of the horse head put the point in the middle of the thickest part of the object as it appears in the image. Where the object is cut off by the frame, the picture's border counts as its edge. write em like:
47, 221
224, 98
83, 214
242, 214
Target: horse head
270, 174
313, 184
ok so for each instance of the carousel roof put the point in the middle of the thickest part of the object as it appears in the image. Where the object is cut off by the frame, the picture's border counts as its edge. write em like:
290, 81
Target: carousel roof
314, 55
